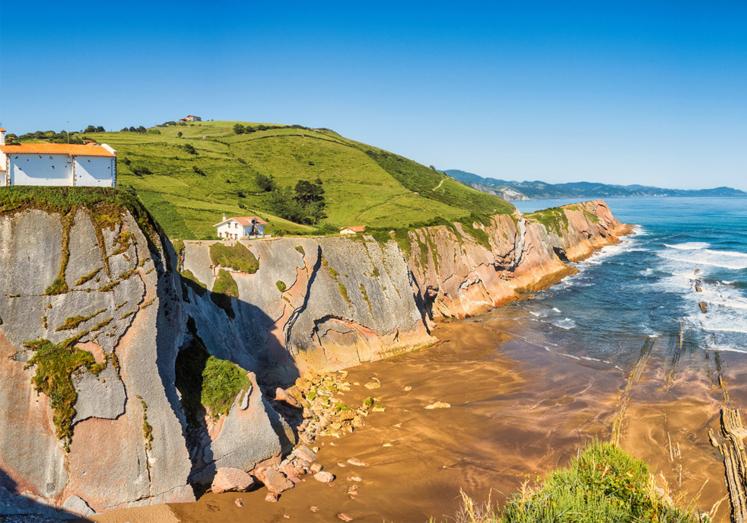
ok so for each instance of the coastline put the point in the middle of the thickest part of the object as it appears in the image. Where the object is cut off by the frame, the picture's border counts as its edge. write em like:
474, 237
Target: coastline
295, 500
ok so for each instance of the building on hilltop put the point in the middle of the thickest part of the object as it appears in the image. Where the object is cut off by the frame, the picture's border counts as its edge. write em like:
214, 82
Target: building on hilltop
57, 164
352, 230
191, 118
240, 227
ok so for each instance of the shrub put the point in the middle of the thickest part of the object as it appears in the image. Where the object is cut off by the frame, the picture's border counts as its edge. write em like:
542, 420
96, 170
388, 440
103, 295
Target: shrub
141, 171
189, 148
264, 182
206, 383
603, 484
199, 171
239, 129
222, 381
280, 284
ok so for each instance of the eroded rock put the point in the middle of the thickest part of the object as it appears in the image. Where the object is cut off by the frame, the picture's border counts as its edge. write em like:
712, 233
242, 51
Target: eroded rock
231, 480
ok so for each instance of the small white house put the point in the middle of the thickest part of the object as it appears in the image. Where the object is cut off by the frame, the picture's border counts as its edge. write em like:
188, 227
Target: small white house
57, 164
191, 118
240, 227
352, 230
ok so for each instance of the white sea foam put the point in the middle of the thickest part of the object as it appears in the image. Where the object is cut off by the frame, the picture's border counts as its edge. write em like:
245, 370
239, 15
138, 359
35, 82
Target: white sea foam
708, 257
727, 348
565, 323
688, 246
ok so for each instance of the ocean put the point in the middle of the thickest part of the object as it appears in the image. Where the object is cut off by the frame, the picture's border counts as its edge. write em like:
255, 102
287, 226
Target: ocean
646, 285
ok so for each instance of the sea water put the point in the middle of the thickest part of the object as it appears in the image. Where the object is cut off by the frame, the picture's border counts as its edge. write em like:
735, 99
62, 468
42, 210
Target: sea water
647, 286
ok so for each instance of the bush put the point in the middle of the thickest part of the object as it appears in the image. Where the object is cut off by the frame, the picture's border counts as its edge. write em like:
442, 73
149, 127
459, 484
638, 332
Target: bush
222, 381
206, 383
189, 148
239, 129
603, 484
264, 182
141, 171
199, 171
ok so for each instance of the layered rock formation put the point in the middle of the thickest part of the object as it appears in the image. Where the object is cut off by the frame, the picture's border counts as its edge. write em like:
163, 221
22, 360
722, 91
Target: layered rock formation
91, 322
95, 408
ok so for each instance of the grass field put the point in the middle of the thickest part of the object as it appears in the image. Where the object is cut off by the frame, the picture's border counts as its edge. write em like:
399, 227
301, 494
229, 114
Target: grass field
187, 193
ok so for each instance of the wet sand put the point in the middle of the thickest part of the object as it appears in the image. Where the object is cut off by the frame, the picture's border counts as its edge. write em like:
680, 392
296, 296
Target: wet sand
517, 412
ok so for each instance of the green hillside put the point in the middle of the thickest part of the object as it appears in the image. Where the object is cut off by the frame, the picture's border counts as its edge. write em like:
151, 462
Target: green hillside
187, 189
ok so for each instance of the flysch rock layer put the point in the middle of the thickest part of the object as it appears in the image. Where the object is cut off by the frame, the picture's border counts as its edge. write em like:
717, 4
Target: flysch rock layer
313, 304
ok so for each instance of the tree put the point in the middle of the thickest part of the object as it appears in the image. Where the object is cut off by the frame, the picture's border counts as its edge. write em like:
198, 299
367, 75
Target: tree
305, 204
179, 134
285, 205
309, 192
264, 182
239, 129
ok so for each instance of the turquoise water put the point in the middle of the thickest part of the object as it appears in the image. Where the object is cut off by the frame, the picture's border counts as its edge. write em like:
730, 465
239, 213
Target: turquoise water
645, 286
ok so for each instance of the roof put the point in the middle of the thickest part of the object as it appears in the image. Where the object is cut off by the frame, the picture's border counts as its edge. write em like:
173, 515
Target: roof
58, 148
354, 228
245, 221
2, 129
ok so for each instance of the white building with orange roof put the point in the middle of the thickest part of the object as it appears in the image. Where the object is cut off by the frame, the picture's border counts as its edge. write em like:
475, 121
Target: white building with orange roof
57, 164
239, 227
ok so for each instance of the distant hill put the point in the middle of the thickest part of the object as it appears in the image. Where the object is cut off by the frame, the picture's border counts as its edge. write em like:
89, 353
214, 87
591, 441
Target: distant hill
512, 190
189, 175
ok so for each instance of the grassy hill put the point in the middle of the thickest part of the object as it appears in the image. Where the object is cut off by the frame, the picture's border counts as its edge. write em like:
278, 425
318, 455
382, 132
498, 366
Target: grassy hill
188, 190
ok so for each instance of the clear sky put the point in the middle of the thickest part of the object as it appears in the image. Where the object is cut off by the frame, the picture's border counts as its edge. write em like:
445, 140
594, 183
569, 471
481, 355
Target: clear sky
622, 92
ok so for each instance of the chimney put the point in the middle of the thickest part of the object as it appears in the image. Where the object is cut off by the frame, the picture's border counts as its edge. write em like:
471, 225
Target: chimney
2, 136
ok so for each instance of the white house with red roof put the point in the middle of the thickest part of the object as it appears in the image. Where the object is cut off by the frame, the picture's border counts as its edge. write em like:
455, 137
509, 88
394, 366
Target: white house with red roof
57, 164
352, 230
239, 227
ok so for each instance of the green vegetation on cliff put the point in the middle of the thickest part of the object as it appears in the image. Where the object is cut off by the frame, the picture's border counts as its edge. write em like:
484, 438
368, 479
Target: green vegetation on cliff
189, 175
236, 257
602, 484
225, 284
222, 382
208, 385
54, 366
554, 219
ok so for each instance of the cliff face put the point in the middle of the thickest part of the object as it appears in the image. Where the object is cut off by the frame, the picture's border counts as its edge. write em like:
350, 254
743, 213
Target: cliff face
91, 322
460, 273
101, 324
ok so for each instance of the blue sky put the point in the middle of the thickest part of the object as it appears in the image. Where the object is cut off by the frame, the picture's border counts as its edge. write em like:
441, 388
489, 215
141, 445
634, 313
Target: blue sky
620, 92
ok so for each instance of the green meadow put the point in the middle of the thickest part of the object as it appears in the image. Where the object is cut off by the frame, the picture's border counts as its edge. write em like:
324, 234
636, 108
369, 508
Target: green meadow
189, 175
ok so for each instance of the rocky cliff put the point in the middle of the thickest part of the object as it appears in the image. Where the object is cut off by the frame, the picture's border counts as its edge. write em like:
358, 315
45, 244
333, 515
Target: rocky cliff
91, 323
111, 339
